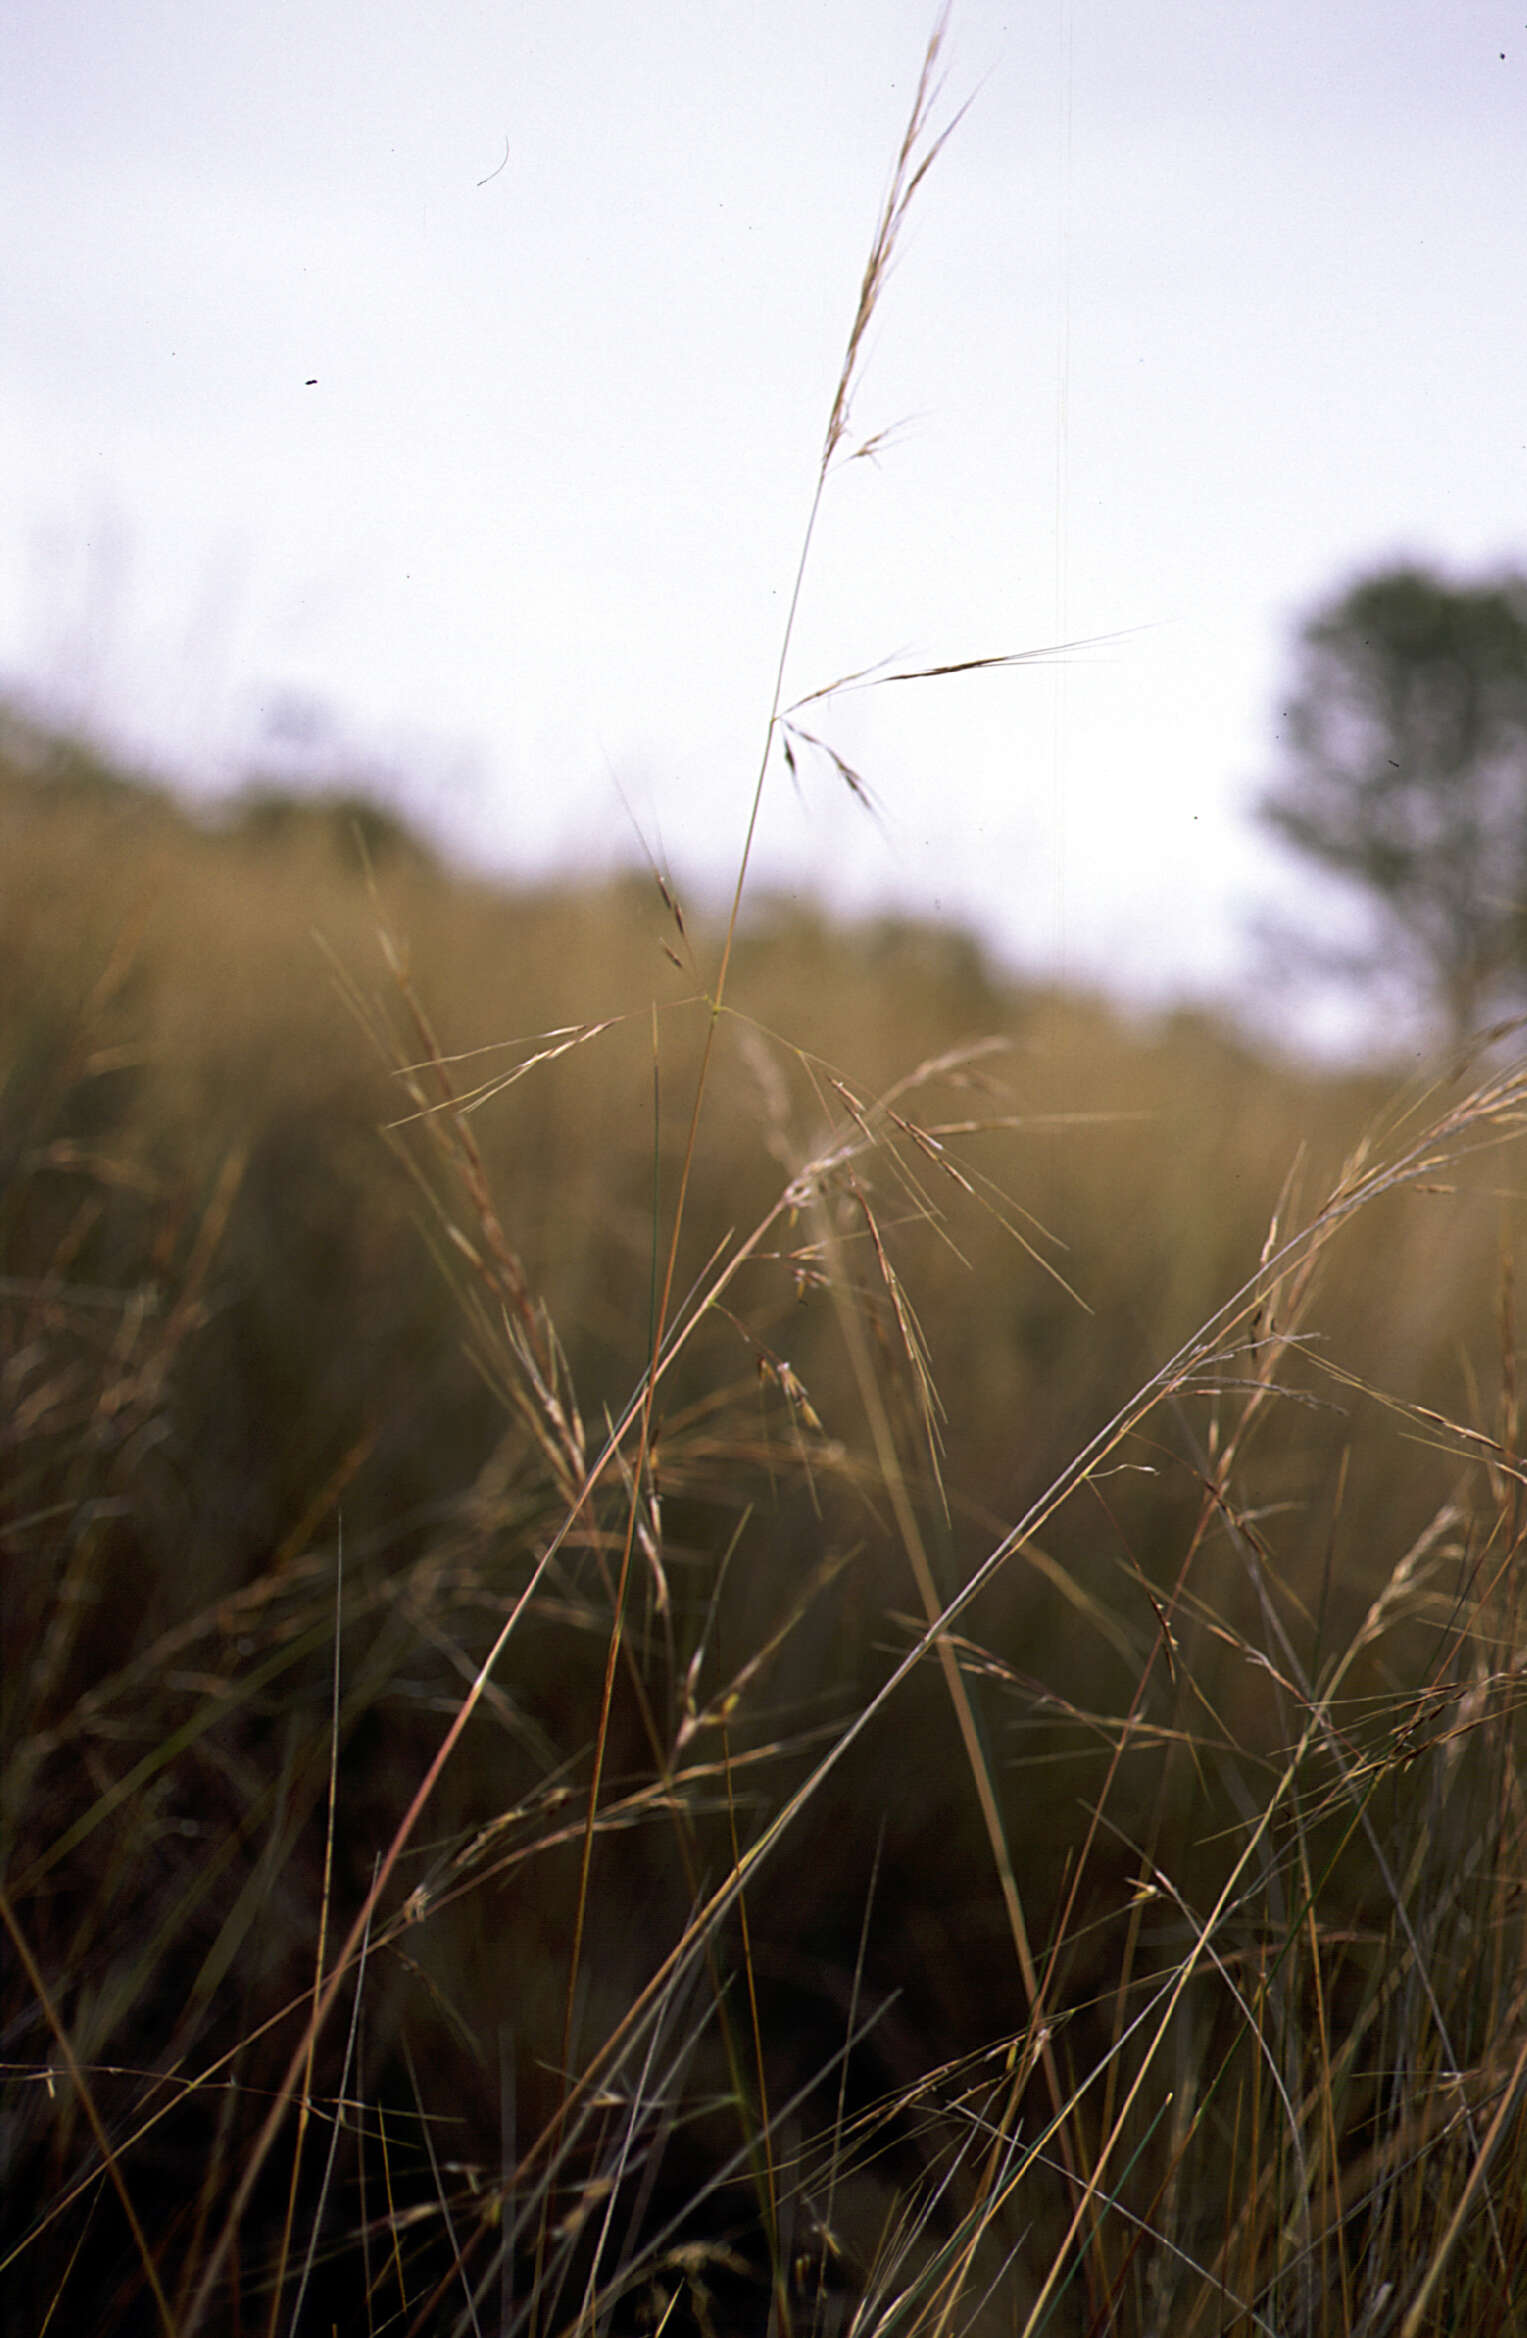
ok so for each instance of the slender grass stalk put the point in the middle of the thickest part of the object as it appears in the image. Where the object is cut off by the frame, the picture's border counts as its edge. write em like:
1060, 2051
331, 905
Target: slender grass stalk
110, 2158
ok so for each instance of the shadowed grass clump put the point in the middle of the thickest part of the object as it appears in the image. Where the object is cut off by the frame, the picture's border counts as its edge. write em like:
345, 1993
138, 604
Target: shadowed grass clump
1154, 1923
719, 1626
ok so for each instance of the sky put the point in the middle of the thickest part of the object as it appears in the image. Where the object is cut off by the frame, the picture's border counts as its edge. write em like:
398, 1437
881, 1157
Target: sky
440, 395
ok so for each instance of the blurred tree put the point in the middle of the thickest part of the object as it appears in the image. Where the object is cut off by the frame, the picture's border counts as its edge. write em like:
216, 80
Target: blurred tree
1405, 775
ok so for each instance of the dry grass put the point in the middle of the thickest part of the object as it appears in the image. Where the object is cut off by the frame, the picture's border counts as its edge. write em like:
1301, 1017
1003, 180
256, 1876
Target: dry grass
887, 1700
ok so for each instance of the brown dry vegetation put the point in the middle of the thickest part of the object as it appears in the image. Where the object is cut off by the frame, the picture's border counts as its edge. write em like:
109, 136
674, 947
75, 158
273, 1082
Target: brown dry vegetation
242, 1399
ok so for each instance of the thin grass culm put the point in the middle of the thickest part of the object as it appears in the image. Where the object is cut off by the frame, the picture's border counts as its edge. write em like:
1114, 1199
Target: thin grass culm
832, 1646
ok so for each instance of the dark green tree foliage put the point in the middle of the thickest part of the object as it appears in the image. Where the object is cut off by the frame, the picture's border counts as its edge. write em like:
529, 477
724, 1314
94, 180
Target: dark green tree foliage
1406, 775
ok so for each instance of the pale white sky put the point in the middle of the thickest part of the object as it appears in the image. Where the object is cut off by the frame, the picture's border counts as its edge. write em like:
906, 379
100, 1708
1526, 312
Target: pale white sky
1208, 306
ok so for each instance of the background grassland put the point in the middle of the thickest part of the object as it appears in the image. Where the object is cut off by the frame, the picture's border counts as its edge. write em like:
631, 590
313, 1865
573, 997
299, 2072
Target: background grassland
1240, 1711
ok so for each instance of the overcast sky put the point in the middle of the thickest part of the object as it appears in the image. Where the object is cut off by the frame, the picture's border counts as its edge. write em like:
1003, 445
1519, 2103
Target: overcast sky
445, 389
